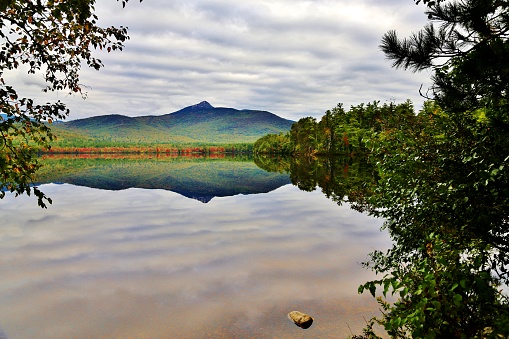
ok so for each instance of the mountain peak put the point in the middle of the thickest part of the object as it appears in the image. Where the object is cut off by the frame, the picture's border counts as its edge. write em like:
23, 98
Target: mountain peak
202, 105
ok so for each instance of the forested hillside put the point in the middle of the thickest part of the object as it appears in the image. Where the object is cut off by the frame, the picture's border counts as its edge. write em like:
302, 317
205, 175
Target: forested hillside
339, 131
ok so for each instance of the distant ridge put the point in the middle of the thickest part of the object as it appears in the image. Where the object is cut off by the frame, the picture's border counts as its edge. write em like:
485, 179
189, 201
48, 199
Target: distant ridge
197, 123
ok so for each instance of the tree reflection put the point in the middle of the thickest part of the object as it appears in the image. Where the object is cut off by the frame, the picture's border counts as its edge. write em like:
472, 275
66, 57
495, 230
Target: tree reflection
340, 178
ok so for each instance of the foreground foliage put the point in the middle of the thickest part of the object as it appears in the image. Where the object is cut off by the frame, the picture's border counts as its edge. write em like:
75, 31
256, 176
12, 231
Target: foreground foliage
52, 38
444, 187
444, 191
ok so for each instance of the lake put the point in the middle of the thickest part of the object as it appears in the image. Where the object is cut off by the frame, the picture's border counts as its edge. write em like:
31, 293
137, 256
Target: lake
181, 248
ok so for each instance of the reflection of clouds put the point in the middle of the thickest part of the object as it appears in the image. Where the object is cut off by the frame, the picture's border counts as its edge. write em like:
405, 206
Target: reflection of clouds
125, 262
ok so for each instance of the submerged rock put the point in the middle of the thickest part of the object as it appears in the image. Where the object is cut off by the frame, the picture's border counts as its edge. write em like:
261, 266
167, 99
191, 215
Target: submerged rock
300, 319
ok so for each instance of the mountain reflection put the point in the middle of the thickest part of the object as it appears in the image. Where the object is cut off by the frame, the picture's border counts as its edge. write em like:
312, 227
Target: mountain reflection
197, 177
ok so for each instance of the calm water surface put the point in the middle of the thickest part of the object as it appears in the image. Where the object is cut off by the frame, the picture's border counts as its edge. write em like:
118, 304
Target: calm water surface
152, 263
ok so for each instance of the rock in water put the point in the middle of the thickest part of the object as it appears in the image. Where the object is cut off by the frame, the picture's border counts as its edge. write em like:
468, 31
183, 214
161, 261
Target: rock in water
300, 319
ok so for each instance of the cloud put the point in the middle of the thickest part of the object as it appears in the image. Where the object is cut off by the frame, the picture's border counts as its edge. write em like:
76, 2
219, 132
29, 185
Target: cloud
293, 58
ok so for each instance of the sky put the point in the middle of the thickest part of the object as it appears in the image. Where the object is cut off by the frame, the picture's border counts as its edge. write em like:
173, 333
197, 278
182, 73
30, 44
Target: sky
293, 58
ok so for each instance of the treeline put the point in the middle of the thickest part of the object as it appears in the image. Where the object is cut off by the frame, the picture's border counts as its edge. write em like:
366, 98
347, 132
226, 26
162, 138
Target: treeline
339, 131
72, 142
157, 149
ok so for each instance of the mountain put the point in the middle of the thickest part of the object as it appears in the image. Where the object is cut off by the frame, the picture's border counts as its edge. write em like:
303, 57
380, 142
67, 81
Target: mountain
198, 123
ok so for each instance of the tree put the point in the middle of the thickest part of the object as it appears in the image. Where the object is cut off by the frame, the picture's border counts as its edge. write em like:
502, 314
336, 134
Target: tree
53, 38
446, 213
444, 187
274, 143
328, 125
467, 52
304, 136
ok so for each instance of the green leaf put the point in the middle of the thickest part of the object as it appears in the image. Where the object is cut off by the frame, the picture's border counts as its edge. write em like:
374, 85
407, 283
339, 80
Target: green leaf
453, 287
372, 289
457, 299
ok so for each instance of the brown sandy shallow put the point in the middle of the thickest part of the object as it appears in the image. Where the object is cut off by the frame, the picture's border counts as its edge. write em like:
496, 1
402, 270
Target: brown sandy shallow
104, 311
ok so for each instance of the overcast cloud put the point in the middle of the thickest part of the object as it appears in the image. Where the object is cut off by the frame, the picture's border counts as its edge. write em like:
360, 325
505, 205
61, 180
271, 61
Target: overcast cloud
293, 58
